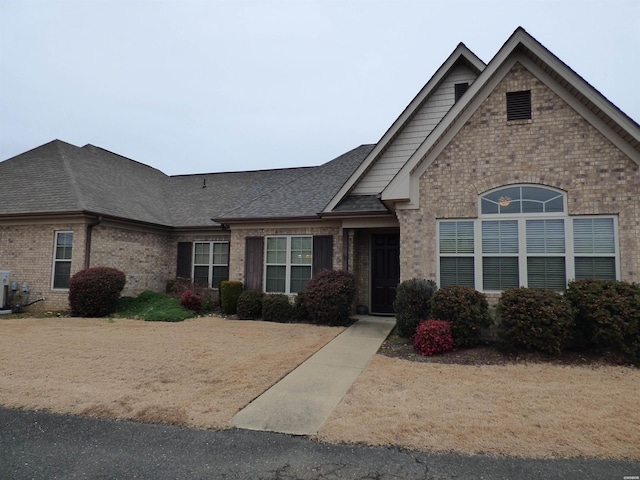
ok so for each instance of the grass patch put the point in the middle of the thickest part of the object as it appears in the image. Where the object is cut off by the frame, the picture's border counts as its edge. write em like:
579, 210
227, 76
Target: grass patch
153, 307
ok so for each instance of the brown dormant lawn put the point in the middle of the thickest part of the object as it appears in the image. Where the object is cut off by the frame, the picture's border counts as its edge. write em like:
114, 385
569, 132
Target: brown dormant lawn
201, 372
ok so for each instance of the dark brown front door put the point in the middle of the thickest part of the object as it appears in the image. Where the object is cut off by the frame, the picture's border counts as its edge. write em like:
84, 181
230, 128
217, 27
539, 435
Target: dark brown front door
385, 271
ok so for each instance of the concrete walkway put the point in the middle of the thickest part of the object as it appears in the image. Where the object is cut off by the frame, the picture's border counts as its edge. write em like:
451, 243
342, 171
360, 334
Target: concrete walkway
303, 400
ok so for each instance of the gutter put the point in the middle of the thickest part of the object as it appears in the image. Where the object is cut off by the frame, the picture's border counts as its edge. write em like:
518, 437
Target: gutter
87, 245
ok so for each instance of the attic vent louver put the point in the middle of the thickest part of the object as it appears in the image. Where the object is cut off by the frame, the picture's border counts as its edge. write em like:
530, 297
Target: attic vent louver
459, 89
519, 105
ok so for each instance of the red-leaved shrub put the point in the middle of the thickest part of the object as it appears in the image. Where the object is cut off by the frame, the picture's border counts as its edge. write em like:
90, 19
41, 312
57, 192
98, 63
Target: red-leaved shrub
191, 301
433, 336
95, 292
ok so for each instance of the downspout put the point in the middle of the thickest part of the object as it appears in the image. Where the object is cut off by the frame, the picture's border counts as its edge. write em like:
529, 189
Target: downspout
87, 245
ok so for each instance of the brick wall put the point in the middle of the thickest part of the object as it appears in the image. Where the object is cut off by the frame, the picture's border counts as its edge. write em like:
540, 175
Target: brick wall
144, 256
27, 251
556, 148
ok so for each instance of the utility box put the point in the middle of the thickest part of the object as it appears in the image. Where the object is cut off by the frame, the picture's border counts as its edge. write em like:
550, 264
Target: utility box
4, 287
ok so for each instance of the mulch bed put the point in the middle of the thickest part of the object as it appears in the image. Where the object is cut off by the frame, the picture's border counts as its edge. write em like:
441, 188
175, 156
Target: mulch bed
486, 354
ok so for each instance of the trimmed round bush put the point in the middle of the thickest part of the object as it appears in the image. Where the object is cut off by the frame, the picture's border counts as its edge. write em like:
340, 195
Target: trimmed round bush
230, 291
277, 308
533, 319
607, 316
466, 309
412, 304
250, 305
433, 336
191, 301
95, 292
329, 296
300, 312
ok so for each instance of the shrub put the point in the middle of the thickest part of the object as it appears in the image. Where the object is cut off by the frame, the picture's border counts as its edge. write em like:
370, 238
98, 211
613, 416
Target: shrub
277, 308
300, 312
533, 319
466, 309
153, 307
329, 296
95, 292
607, 316
250, 305
412, 304
433, 336
191, 301
230, 291
210, 297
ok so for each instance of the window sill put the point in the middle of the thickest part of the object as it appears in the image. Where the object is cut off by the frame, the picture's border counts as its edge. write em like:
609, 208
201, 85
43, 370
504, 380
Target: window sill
519, 122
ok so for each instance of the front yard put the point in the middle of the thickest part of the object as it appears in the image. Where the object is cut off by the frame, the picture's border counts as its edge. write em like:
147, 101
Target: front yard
202, 371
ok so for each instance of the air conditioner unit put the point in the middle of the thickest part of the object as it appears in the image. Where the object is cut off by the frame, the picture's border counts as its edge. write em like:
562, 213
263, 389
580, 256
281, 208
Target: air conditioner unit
4, 287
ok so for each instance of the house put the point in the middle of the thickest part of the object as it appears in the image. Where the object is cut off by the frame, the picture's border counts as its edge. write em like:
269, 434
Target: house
511, 173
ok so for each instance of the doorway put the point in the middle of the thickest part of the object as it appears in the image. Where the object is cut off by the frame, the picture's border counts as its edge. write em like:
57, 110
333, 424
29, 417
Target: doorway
385, 271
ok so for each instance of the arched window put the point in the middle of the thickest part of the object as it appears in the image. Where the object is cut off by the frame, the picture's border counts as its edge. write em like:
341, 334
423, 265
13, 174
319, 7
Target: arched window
524, 237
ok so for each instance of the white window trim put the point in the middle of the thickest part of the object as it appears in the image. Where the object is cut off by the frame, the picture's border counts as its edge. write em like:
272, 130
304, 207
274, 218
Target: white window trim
211, 263
56, 260
288, 264
522, 254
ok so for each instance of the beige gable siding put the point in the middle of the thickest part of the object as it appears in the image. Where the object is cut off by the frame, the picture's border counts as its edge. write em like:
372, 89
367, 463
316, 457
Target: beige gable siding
557, 148
414, 133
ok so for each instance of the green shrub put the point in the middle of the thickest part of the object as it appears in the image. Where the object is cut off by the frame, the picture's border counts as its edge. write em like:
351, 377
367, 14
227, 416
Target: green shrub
412, 304
277, 308
466, 309
230, 291
300, 312
433, 336
329, 295
533, 319
250, 305
607, 316
95, 292
153, 307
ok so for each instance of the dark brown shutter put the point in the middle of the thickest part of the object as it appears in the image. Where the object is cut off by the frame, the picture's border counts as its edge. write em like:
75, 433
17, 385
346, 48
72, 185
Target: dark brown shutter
183, 269
322, 253
253, 263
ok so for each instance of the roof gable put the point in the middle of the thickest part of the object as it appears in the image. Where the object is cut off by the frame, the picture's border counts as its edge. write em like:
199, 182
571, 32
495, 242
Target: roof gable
520, 47
461, 55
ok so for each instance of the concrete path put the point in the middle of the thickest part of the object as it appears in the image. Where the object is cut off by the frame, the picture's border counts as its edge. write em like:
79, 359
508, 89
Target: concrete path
303, 400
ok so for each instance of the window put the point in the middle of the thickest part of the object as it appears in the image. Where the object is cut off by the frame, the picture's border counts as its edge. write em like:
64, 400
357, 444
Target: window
210, 263
459, 89
456, 253
289, 263
594, 246
62, 259
519, 105
523, 237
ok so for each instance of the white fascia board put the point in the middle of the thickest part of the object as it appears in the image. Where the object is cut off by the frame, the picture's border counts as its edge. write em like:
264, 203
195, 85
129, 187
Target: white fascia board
461, 52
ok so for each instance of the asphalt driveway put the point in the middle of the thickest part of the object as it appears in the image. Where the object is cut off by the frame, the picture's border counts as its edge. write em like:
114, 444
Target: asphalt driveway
39, 445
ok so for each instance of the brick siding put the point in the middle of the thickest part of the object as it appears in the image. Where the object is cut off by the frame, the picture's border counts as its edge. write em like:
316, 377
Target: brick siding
556, 148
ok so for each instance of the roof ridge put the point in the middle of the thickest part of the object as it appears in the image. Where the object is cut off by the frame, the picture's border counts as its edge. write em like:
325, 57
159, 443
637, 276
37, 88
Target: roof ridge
70, 174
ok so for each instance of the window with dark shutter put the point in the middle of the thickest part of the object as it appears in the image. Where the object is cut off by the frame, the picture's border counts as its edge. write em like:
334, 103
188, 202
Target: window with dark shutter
519, 105
459, 89
253, 263
183, 268
322, 253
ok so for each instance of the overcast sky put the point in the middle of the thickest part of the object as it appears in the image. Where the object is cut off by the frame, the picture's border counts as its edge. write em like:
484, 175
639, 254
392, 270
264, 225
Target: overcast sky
206, 86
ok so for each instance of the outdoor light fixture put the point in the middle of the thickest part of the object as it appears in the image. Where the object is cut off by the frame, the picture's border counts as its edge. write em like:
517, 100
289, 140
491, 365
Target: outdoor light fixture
504, 201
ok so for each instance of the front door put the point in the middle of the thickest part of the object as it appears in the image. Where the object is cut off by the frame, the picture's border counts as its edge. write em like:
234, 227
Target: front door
385, 271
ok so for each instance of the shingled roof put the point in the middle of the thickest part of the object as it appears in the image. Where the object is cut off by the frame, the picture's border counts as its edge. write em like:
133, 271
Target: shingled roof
58, 178
304, 195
